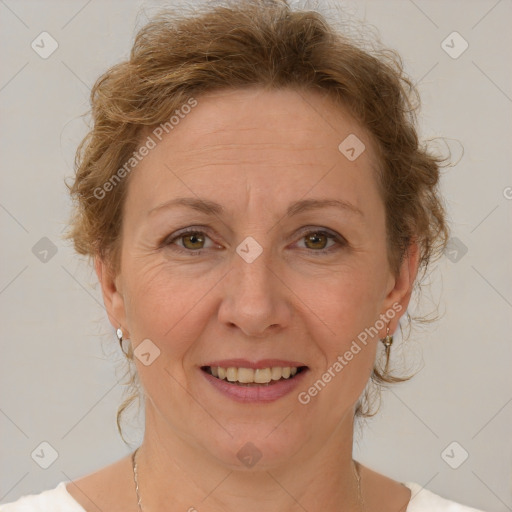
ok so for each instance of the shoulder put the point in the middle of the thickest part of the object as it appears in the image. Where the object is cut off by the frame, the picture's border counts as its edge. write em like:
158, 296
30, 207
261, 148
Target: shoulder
52, 500
104, 489
423, 500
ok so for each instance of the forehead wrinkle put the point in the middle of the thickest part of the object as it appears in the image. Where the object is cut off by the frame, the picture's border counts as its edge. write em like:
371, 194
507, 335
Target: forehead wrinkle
249, 145
239, 162
303, 135
222, 156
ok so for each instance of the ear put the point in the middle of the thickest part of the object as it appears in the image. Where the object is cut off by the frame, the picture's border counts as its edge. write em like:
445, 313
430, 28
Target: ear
399, 294
112, 295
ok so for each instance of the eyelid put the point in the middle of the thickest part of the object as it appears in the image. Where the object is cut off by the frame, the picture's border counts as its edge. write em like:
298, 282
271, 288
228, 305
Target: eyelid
185, 231
317, 229
339, 239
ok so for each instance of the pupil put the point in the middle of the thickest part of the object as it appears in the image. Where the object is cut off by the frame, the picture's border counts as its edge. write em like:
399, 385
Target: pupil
194, 239
314, 237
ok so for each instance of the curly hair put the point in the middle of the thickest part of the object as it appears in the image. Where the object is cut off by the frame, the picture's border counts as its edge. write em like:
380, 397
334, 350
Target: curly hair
264, 43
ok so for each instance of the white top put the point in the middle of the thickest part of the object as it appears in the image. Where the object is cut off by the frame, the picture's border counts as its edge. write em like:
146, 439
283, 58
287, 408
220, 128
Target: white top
59, 500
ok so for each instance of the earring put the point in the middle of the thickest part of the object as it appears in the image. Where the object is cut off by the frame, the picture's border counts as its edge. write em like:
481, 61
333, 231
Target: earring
119, 334
388, 341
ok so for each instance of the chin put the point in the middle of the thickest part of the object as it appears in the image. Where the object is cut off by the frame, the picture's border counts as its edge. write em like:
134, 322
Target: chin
256, 447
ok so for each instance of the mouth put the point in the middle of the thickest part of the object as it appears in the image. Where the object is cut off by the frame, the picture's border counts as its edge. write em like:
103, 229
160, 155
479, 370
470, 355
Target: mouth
254, 377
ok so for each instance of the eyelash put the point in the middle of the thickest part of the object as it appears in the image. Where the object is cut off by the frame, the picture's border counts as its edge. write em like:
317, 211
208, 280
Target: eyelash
340, 241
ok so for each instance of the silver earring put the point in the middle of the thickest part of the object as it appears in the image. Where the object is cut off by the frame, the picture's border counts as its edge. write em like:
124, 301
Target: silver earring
119, 334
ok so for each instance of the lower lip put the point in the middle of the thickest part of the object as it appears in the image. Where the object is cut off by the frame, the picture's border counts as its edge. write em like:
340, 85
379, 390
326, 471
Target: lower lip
255, 394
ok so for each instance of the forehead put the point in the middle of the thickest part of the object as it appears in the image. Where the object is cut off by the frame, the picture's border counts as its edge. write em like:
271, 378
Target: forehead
294, 119
275, 142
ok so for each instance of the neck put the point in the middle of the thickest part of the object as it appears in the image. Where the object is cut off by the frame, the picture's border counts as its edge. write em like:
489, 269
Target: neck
175, 471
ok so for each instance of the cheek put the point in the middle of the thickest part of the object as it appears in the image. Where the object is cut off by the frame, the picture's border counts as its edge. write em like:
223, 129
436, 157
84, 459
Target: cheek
163, 307
348, 299
148, 308
348, 344
348, 305
162, 304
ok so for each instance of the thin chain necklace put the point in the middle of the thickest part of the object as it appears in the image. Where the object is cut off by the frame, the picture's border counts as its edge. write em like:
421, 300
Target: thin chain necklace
134, 465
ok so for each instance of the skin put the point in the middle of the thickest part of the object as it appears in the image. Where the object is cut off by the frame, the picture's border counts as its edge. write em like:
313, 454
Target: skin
254, 152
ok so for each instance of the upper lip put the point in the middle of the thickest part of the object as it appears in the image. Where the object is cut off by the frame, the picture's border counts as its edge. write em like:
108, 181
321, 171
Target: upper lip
262, 363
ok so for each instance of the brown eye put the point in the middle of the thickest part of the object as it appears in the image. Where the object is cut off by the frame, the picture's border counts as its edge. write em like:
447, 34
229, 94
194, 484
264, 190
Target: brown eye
193, 240
316, 240
320, 242
196, 242
190, 241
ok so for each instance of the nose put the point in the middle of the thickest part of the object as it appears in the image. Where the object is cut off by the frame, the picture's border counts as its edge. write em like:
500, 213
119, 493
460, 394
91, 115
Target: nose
255, 300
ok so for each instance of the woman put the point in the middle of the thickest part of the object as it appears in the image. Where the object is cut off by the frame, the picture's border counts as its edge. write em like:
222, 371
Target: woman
258, 208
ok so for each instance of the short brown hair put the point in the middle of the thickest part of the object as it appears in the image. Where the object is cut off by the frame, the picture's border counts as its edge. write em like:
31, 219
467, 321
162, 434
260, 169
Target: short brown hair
258, 43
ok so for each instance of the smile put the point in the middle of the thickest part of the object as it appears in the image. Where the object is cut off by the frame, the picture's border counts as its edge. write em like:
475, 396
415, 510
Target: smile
253, 377
261, 385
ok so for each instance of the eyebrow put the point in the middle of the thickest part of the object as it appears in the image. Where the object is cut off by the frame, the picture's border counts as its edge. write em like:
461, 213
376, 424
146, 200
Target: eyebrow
213, 208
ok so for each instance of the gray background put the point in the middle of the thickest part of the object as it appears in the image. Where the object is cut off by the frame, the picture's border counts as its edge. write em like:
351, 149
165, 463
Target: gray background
59, 355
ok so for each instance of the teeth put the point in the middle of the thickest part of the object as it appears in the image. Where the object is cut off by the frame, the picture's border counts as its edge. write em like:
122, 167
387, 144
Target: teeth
263, 375
245, 375
232, 374
249, 375
276, 373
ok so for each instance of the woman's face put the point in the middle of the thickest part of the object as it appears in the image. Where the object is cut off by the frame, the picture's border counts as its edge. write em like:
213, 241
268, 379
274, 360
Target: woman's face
286, 269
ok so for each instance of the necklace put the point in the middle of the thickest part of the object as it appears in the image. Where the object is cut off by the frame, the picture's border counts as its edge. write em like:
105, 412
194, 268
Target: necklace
134, 465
